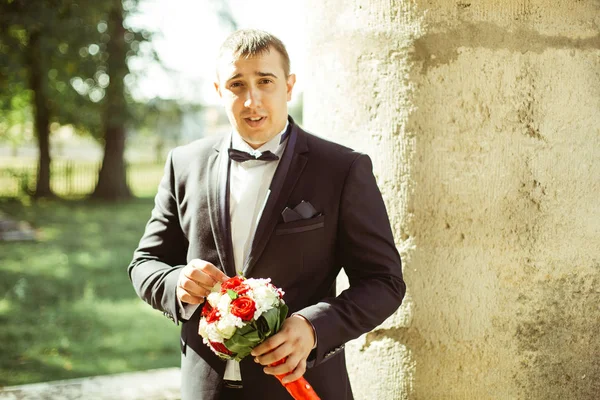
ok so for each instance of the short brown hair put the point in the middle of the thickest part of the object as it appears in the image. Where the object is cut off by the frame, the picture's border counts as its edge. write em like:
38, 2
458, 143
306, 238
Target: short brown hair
253, 42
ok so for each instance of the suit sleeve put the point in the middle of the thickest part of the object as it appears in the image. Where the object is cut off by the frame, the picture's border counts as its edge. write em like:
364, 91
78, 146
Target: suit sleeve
162, 251
367, 252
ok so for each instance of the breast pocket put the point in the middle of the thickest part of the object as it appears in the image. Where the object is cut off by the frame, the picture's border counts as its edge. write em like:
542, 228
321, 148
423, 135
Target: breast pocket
303, 225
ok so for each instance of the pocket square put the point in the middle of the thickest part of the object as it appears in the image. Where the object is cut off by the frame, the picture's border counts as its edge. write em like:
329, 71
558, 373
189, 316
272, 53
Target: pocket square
304, 210
290, 215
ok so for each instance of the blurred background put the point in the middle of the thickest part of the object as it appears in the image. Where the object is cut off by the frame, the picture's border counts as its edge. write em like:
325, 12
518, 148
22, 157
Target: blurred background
119, 81
93, 94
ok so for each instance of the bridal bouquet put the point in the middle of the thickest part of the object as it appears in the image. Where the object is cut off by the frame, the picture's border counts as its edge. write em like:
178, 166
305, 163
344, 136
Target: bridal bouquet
241, 313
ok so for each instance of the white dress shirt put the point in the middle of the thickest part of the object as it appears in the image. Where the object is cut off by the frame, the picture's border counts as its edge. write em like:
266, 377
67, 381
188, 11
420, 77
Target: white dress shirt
248, 193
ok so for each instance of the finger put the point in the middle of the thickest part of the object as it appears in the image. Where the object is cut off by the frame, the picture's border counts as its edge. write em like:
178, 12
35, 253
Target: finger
191, 284
277, 354
201, 270
188, 298
270, 344
288, 366
199, 277
214, 272
296, 373
195, 271
193, 288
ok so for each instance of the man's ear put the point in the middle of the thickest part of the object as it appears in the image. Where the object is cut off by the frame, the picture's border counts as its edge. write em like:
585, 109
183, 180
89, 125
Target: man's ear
291, 81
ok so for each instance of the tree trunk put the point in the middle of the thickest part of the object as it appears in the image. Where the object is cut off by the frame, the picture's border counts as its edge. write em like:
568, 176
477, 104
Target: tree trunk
38, 84
112, 179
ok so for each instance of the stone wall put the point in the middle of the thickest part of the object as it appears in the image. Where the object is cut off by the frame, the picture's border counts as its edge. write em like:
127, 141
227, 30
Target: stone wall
483, 121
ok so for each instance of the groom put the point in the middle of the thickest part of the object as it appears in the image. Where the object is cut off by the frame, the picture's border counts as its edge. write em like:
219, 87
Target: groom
272, 201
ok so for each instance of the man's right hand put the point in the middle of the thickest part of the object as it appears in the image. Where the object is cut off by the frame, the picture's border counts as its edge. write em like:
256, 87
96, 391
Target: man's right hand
196, 280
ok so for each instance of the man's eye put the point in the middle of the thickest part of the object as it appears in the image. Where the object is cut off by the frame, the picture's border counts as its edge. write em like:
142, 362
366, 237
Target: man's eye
235, 85
266, 81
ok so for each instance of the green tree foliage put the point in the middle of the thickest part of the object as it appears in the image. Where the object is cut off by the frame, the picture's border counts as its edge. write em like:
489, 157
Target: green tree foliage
15, 119
40, 54
69, 58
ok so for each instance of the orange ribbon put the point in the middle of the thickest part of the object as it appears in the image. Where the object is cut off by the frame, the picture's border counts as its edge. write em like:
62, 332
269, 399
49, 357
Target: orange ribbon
300, 389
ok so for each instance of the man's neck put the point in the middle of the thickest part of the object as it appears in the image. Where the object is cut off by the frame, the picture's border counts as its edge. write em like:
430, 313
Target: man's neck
255, 145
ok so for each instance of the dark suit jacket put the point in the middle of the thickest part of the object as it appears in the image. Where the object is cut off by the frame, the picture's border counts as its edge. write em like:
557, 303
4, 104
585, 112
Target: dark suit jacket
190, 220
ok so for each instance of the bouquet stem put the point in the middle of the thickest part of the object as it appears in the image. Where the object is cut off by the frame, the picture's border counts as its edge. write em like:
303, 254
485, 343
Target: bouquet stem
300, 389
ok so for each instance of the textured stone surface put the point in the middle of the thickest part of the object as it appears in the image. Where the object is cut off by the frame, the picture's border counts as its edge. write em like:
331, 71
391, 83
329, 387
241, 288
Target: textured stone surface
160, 384
483, 121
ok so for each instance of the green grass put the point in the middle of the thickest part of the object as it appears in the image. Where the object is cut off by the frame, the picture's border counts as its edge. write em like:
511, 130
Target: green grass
67, 307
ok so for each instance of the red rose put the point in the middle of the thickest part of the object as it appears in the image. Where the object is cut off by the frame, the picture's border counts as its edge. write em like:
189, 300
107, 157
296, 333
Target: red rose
206, 309
220, 347
231, 283
242, 289
213, 316
243, 307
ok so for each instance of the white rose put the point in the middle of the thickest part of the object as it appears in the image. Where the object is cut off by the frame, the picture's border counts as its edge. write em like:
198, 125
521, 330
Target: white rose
202, 328
213, 334
226, 327
213, 299
257, 282
265, 296
223, 304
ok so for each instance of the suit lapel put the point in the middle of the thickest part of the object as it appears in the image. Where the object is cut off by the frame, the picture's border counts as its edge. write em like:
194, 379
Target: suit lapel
218, 194
288, 171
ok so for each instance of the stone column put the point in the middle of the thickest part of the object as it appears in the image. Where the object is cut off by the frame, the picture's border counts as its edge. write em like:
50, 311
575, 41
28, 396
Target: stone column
483, 122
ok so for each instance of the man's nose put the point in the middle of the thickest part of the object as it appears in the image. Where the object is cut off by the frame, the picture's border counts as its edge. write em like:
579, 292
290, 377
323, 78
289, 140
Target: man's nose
252, 98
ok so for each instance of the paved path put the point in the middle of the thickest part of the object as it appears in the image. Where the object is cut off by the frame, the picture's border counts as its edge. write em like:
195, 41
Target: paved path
158, 384
11, 230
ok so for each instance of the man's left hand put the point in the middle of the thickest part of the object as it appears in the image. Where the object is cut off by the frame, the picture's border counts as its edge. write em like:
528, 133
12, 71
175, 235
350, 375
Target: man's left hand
294, 342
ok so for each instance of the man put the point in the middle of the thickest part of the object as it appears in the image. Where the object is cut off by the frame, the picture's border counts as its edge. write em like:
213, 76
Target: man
271, 201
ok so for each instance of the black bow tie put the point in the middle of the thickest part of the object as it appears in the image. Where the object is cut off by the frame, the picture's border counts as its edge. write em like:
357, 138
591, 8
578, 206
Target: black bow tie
241, 156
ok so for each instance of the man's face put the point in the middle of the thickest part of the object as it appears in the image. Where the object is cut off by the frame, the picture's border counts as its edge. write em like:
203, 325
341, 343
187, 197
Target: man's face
255, 93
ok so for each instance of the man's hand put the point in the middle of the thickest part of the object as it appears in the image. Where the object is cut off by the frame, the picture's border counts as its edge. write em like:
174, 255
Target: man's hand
294, 341
196, 280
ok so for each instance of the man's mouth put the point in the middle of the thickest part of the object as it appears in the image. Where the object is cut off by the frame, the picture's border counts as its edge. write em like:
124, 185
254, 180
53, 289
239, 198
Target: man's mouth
255, 122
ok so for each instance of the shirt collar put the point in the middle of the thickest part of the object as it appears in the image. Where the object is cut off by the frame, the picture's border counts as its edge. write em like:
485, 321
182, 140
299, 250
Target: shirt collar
272, 145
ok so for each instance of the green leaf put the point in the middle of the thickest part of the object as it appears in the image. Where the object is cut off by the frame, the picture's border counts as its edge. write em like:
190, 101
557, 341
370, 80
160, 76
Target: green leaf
243, 354
240, 344
243, 343
250, 335
232, 294
253, 337
271, 317
283, 311
245, 329
262, 326
250, 338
